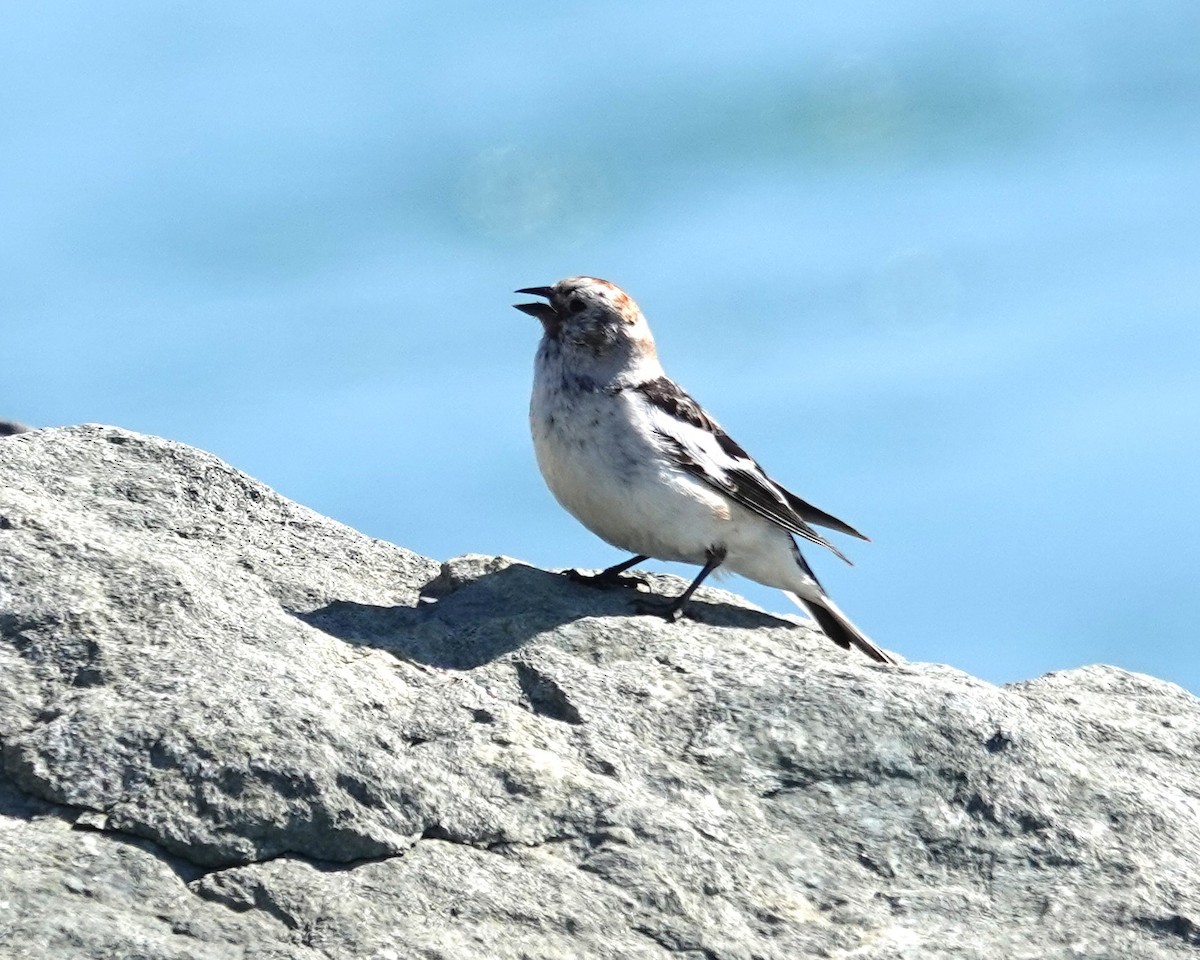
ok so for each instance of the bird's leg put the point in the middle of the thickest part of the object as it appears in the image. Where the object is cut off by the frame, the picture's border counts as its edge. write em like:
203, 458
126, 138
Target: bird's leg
674, 610
607, 579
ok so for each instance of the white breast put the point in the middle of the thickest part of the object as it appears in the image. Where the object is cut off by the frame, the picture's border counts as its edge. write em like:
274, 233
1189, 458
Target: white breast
602, 462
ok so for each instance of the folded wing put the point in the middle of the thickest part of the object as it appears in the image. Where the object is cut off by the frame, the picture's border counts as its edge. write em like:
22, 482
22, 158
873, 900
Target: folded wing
707, 452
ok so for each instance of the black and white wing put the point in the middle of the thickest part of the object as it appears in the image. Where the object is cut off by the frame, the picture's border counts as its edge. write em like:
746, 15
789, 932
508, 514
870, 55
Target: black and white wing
710, 454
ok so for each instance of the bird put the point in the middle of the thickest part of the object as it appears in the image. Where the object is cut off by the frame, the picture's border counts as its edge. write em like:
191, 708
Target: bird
630, 454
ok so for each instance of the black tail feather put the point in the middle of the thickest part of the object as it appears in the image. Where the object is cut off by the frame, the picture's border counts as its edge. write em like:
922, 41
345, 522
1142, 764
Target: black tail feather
816, 515
835, 625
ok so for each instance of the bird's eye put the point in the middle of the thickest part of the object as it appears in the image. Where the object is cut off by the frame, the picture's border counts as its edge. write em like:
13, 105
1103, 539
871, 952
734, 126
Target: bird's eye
576, 305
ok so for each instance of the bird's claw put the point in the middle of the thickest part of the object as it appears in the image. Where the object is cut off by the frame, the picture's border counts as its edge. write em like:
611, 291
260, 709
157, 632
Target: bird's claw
611, 582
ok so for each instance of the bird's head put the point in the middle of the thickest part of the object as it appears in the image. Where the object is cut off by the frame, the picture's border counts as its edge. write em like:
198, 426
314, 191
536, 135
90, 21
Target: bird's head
593, 316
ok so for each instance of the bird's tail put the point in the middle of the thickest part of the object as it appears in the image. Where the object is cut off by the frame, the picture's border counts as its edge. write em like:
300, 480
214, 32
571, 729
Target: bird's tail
838, 628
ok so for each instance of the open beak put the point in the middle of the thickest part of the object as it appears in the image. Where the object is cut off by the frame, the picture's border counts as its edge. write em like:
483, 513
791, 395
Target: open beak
543, 311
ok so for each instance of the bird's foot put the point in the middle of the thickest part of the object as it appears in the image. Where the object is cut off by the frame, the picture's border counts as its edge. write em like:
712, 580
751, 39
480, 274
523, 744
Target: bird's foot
608, 581
670, 610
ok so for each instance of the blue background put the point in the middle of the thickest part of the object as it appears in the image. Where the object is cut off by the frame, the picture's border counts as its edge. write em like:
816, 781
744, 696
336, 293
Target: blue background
934, 264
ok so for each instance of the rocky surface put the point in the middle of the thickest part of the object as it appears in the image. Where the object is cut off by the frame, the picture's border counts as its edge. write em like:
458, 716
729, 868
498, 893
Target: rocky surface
234, 728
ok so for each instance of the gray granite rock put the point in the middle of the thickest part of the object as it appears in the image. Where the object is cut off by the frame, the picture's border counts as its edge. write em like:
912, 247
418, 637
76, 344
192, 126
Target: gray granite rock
234, 728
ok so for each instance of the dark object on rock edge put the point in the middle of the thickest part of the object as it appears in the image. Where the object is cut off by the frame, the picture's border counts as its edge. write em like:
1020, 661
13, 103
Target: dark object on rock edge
9, 427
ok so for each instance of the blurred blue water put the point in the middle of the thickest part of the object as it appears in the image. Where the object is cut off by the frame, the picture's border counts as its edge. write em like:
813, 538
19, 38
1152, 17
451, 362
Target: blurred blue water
935, 267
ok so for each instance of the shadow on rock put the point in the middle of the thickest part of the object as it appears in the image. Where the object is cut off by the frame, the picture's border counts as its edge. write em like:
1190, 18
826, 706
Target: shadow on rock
462, 625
